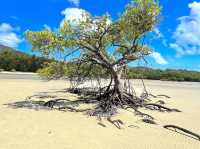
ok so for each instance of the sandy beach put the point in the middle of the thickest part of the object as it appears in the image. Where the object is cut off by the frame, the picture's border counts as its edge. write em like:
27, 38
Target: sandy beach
40, 129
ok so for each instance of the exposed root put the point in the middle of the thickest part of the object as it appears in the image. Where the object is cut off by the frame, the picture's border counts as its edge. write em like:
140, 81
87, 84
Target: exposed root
154, 106
144, 115
117, 123
40, 96
105, 101
149, 121
157, 96
101, 124
139, 113
162, 95
71, 109
160, 102
51, 103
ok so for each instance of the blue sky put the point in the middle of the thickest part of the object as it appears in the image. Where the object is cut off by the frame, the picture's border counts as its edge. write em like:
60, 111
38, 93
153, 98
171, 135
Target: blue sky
178, 34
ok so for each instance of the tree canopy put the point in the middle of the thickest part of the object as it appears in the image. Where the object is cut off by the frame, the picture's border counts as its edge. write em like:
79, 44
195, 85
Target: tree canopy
94, 37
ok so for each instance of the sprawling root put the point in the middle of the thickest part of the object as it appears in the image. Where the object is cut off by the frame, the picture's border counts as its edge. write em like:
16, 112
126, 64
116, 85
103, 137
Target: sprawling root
106, 101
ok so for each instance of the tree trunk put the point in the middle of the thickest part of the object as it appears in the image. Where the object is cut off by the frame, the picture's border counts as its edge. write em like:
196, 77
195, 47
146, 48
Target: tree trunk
118, 86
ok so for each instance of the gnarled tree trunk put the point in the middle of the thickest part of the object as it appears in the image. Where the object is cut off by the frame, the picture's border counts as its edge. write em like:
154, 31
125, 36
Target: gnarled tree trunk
118, 85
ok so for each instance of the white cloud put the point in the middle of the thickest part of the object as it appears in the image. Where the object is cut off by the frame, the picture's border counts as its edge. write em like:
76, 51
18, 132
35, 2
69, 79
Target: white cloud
73, 15
158, 33
179, 50
47, 27
76, 15
187, 34
4, 27
8, 37
160, 36
75, 2
159, 58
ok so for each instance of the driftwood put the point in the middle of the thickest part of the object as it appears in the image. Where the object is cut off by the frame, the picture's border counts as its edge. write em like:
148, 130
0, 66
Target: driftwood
184, 130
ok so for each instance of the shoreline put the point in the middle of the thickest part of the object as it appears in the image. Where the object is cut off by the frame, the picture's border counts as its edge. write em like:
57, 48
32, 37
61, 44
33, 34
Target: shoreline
19, 75
34, 76
18, 72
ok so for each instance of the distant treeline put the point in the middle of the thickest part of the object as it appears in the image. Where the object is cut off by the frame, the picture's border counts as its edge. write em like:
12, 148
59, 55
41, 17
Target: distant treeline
12, 60
55, 70
166, 75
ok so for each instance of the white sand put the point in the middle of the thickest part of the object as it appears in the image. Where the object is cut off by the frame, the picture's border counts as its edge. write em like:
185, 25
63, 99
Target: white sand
31, 129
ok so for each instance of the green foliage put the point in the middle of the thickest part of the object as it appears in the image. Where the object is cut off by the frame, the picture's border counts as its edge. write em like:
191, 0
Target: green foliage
54, 70
97, 34
139, 18
44, 41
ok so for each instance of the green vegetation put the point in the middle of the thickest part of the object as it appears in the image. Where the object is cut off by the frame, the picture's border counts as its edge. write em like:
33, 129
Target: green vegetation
56, 70
12, 60
69, 70
164, 75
